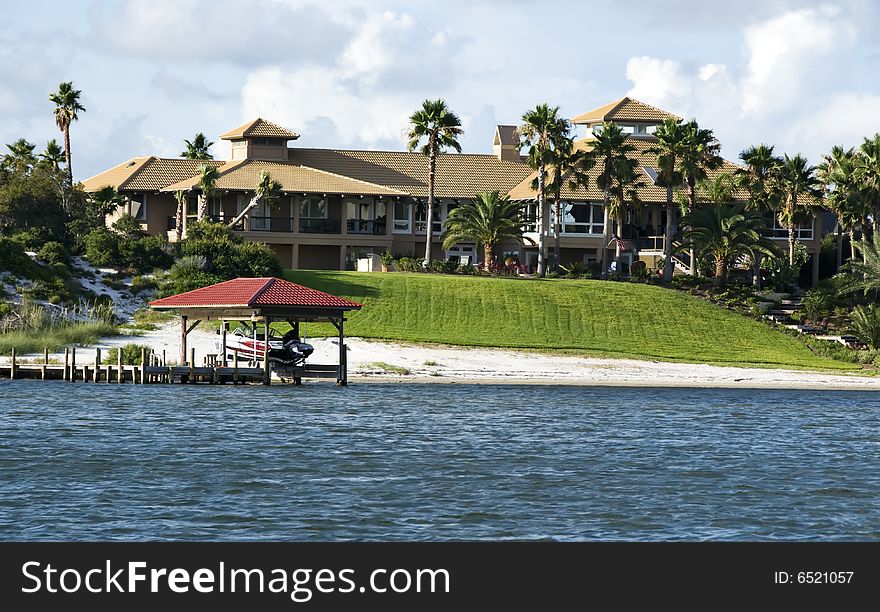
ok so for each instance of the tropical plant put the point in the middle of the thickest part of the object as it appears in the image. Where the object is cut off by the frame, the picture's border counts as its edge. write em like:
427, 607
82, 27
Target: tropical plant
759, 179
541, 133
21, 156
53, 155
865, 324
699, 155
623, 184
800, 188
725, 232
575, 269
181, 198
106, 200
208, 176
609, 151
862, 276
197, 148
489, 219
67, 109
268, 192
439, 128
868, 169
844, 194
669, 150
818, 303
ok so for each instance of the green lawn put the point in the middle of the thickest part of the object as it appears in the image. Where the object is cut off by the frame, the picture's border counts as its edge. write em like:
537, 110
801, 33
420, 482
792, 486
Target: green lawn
598, 318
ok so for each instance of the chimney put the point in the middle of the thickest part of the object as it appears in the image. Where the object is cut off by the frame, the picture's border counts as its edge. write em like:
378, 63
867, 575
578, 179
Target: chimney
505, 145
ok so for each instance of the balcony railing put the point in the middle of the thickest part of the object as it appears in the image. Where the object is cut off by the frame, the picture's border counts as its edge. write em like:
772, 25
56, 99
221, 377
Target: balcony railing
360, 226
319, 226
270, 224
651, 243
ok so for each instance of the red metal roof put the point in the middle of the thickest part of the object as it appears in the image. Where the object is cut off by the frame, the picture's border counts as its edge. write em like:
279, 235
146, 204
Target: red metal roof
248, 292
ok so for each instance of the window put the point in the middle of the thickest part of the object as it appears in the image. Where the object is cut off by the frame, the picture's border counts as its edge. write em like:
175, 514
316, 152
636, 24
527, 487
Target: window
402, 217
365, 216
650, 129
138, 206
583, 218
628, 129
803, 231
531, 225
422, 211
313, 208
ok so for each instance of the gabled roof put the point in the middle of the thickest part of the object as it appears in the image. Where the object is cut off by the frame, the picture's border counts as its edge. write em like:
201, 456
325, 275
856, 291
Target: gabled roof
506, 135
259, 128
250, 292
625, 109
459, 175
650, 193
243, 175
147, 173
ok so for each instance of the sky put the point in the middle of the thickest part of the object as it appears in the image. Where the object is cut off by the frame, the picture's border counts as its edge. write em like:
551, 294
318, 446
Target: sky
798, 75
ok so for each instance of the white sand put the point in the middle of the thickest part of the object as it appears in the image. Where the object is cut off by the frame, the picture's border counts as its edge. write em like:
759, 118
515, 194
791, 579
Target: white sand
468, 365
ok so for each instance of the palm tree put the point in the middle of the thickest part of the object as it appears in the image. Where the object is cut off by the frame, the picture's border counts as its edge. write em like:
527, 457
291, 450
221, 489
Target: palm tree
759, 179
699, 155
21, 156
53, 155
865, 324
208, 176
869, 177
669, 150
180, 217
67, 109
844, 193
570, 168
197, 148
489, 220
541, 133
440, 128
268, 192
610, 147
107, 200
798, 182
862, 276
622, 184
725, 232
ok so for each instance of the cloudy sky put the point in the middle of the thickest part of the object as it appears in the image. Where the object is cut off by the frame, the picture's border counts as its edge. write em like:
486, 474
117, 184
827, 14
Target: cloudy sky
347, 73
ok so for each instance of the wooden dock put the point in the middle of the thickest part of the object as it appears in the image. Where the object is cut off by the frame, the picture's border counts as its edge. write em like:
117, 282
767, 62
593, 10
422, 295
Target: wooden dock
152, 370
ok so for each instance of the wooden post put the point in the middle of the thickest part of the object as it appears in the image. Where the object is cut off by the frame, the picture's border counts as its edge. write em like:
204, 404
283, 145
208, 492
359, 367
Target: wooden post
164, 363
183, 340
341, 377
97, 374
66, 373
120, 372
192, 365
45, 363
73, 364
143, 366
235, 368
267, 377
223, 342
12, 367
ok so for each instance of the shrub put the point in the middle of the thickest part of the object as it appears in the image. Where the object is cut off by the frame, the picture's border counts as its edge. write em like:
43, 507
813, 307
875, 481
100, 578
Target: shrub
387, 259
468, 268
102, 247
818, 303
865, 324
13, 259
229, 256
53, 253
140, 283
575, 269
131, 354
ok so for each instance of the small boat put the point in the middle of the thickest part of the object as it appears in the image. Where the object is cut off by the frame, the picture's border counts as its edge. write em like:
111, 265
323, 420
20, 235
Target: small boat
284, 351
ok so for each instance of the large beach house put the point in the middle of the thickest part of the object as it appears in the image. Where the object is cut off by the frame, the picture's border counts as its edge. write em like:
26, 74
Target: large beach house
340, 204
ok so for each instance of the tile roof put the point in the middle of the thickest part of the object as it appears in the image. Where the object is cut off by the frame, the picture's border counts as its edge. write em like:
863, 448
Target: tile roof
249, 292
458, 175
625, 109
243, 175
147, 173
259, 128
649, 194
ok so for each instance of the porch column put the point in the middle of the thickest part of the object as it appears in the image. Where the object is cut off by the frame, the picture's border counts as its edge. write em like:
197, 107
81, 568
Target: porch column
294, 204
294, 256
389, 215
183, 339
342, 249
817, 244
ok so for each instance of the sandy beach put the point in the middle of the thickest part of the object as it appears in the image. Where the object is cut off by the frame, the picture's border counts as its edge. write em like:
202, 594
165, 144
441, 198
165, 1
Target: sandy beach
453, 364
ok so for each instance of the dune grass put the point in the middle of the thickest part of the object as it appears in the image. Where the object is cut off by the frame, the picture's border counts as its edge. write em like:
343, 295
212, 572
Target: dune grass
54, 338
596, 318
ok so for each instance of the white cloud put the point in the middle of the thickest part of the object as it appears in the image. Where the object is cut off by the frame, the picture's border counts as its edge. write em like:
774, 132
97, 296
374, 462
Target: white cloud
845, 119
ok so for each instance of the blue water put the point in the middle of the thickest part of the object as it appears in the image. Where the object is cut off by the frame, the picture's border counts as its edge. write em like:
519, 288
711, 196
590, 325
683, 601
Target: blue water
435, 462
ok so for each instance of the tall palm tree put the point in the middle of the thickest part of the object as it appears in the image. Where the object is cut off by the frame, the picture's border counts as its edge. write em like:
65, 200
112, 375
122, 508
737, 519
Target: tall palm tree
845, 195
759, 179
106, 200
180, 197
208, 176
799, 185
869, 176
21, 156
570, 168
700, 154
609, 150
725, 232
622, 184
53, 155
439, 128
488, 220
197, 148
669, 150
67, 109
268, 191
541, 133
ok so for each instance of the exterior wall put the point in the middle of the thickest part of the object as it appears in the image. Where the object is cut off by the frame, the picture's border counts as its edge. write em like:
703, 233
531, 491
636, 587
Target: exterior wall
319, 257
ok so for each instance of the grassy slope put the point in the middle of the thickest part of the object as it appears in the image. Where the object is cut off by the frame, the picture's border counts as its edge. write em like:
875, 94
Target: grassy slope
54, 339
586, 317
